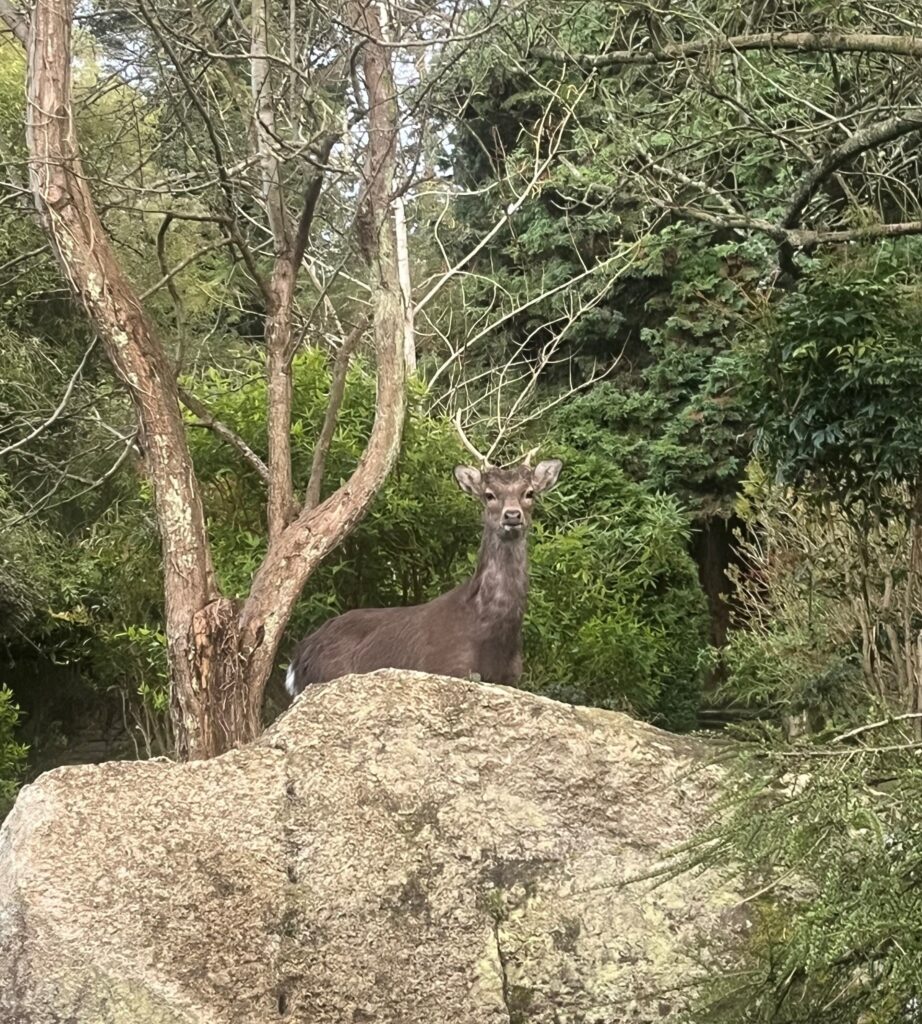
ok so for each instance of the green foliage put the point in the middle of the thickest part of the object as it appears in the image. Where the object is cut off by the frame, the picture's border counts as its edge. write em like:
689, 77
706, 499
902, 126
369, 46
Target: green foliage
679, 424
70, 648
663, 301
839, 377
408, 547
824, 831
630, 150
27, 557
827, 606
616, 617
12, 753
615, 614
826, 841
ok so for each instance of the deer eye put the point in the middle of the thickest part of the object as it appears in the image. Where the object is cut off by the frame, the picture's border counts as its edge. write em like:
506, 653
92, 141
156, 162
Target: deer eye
489, 495
529, 494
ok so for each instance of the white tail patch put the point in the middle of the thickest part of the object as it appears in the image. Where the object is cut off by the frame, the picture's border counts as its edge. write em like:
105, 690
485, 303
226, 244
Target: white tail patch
290, 681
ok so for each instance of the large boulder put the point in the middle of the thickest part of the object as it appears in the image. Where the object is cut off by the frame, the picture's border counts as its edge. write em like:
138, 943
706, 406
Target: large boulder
396, 848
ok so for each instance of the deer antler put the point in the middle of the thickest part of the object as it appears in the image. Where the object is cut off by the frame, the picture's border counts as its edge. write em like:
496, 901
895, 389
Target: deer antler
466, 441
529, 455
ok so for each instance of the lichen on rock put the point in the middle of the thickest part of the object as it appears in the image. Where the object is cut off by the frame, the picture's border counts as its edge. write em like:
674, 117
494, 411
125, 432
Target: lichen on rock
397, 847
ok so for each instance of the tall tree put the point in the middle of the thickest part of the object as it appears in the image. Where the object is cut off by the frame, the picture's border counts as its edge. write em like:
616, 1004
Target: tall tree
221, 654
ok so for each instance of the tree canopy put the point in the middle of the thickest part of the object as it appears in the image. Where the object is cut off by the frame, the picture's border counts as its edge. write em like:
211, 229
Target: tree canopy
268, 272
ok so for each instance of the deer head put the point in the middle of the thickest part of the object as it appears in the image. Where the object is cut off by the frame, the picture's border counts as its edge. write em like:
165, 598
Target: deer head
508, 495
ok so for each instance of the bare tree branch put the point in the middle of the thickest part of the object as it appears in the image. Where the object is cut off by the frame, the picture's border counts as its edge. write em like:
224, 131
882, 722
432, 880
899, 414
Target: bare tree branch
264, 128
795, 237
330, 416
225, 179
16, 22
169, 274
859, 234
806, 42
309, 206
297, 551
169, 280
23, 258
219, 429
406, 283
65, 398
860, 142
46, 505
546, 149
282, 507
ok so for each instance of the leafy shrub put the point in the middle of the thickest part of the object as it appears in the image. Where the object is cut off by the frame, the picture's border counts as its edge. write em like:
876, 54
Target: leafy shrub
827, 587
616, 617
27, 557
837, 377
828, 606
408, 547
671, 416
12, 753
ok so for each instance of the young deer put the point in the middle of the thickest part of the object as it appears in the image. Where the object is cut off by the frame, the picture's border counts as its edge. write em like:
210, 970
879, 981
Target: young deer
474, 629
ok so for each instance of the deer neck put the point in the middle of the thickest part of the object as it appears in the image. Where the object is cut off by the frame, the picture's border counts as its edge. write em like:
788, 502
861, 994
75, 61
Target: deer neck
500, 582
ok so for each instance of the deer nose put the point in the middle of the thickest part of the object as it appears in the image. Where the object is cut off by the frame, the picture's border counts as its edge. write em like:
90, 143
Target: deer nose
512, 517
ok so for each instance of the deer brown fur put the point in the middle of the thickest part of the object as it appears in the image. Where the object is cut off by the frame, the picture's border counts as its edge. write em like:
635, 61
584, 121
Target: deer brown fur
475, 629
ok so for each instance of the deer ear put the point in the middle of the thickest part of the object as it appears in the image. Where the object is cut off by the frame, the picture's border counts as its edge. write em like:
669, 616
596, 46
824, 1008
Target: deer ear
544, 475
469, 479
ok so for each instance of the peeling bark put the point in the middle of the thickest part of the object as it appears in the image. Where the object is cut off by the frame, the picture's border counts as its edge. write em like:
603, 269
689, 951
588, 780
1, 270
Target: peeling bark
281, 508
221, 655
83, 251
219, 710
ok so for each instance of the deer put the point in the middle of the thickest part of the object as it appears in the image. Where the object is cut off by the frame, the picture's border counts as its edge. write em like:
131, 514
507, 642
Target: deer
472, 631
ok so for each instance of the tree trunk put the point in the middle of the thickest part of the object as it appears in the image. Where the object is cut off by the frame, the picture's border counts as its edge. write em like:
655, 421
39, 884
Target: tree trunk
406, 285
281, 507
712, 550
217, 712
220, 655
82, 248
303, 545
